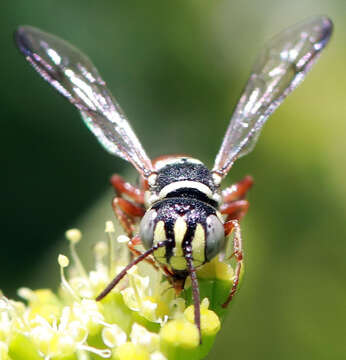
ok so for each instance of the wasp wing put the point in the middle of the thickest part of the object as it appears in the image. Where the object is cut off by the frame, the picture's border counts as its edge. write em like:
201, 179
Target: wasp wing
279, 69
77, 79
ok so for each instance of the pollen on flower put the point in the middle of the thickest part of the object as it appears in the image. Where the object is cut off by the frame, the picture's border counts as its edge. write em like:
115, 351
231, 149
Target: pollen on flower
109, 227
101, 250
73, 235
26, 293
63, 261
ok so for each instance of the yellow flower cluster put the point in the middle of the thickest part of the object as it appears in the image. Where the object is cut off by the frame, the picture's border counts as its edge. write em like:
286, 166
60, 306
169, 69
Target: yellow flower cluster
140, 319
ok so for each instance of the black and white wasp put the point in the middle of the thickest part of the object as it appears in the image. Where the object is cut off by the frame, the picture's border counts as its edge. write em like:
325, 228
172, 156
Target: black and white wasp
184, 218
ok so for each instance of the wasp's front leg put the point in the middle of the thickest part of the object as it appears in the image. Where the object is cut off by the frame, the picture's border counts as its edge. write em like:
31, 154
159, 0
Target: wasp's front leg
238, 190
234, 206
234, 210
230, 226
135, 241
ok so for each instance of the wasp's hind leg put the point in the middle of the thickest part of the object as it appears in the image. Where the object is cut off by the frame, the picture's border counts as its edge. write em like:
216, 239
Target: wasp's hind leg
127, 211
230, 226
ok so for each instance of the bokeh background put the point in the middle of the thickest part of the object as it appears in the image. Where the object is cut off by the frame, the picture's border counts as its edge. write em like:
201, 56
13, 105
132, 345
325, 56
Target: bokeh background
177, 69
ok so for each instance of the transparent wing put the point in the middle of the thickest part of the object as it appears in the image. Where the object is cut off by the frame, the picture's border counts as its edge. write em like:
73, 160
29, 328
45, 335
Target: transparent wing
280, 67
76, 78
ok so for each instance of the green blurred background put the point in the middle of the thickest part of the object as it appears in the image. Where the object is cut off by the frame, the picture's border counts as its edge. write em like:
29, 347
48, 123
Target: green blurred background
177, 69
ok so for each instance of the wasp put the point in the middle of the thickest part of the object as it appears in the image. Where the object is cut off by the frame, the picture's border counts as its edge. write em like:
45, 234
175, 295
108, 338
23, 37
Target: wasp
184, 217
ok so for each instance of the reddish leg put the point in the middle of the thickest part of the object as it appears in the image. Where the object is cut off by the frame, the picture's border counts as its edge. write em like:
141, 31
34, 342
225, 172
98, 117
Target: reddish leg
234, 205
123, 187
136, 240
237, 191
127, 212
233, 225
234, 210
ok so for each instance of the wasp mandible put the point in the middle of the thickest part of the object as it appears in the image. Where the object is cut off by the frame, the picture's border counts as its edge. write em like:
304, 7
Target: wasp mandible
184, 217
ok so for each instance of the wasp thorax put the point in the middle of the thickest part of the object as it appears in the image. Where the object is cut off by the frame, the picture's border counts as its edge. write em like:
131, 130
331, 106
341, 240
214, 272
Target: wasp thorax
192, 225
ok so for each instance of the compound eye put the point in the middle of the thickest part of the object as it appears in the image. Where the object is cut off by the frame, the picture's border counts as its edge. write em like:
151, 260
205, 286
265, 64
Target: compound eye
146, 228
215, 236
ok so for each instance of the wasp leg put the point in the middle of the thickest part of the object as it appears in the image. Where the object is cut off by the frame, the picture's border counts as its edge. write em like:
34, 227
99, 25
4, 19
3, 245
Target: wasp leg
230, 226
167, 271
136, 240
234, 210
122, 187
127, 212
238, 190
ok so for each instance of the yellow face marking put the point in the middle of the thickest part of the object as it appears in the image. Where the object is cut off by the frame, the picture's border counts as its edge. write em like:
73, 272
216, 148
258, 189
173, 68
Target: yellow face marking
160, 235
198, 246
180, 228
178, 263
